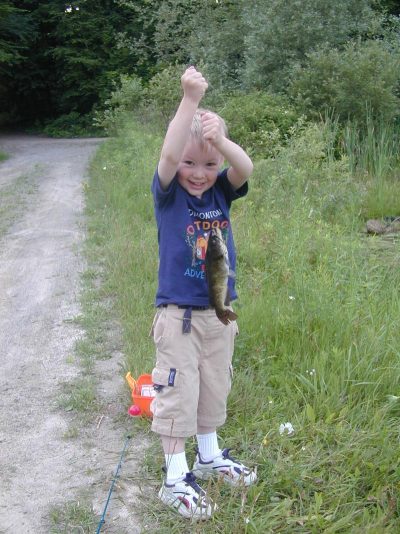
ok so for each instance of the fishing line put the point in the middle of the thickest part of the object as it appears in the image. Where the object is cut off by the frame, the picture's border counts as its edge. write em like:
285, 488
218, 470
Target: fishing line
102, 521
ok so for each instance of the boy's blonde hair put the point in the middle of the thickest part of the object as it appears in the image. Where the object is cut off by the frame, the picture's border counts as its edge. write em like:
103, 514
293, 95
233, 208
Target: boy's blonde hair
196, 129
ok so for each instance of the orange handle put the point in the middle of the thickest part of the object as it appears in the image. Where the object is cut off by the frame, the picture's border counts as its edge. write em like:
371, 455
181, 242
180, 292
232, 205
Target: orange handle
131, 381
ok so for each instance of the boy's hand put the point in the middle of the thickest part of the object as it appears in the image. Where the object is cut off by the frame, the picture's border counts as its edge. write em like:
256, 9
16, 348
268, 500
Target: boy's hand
212, 128
194, 85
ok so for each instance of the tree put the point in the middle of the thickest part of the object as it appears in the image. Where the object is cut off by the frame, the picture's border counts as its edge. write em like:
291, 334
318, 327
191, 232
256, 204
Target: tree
282, 33
73, 56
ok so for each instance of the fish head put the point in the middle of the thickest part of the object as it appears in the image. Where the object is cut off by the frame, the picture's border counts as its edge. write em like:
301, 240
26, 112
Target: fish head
216, 246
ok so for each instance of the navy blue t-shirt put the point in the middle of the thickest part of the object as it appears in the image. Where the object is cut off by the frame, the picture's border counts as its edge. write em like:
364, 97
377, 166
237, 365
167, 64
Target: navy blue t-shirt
184, 222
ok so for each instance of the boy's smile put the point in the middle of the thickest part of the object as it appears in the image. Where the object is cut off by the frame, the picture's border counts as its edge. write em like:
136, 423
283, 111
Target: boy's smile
199, 167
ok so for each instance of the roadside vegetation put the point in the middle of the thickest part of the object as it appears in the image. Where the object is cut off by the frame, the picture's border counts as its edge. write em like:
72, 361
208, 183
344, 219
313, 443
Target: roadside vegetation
318, 319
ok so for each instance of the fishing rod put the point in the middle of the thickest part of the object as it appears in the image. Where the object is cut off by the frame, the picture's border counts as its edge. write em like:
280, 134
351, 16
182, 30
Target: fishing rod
102, 520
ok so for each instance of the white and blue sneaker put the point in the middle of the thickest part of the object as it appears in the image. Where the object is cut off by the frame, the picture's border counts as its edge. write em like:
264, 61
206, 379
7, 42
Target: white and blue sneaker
187, 498
226, 467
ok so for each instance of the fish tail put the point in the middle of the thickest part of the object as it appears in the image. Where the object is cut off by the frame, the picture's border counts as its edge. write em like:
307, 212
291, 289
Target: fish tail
226, 315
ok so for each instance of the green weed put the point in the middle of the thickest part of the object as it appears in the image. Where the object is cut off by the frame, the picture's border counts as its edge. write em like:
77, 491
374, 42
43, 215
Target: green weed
73, 518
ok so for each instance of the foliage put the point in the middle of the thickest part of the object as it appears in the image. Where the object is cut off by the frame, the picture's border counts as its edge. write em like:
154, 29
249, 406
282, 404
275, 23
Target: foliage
282, 33
69, 125
173, 28
260, 122
217, 41
72, 58
15, 31
125, 98
69, 57
373, 149
363, 77
319, 327
164, 91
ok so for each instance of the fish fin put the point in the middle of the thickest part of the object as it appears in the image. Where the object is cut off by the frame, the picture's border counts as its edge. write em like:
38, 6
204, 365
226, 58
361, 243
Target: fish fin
227, 297
226, 316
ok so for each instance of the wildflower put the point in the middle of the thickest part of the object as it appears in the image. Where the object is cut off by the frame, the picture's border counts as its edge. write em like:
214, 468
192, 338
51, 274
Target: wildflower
311, 373
77, 9
303, 448
104, 168
68, 9
291, 297
246, 520
286, 426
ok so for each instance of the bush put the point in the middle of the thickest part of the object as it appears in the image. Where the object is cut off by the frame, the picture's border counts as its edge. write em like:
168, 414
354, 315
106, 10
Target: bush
364, 76
164, 93
259, 122
126, 97
280, 34
69, 125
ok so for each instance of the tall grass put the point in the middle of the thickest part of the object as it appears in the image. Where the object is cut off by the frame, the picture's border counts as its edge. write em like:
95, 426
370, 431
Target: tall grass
374, 150
374, 155
319, 319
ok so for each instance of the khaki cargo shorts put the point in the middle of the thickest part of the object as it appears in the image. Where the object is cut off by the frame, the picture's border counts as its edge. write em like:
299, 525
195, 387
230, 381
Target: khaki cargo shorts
193, 371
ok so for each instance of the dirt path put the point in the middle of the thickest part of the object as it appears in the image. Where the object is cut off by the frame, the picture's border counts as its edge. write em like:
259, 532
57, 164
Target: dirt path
40, 268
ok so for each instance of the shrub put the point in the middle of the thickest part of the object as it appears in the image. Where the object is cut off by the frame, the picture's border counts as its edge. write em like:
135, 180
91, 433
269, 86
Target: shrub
126, 97
281, 34
259, 122
164, 93
69, 125
364, 76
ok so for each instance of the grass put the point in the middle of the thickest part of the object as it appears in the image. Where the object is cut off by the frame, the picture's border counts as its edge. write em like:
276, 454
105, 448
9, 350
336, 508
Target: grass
319, 320
73, 518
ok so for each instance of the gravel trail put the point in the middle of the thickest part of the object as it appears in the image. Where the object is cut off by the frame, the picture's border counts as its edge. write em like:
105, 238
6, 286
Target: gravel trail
40, 266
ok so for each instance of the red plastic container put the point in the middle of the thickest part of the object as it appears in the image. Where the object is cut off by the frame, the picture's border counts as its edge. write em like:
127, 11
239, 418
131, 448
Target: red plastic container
142, 392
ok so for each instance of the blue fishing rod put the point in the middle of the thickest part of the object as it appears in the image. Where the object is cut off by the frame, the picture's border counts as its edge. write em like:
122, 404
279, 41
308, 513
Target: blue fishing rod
102, 520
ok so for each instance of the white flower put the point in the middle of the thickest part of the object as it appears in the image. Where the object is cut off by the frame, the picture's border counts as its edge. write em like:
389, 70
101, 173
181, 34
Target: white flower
286, 426
77, 8
104, 168
291, 297
68, 9
311, 373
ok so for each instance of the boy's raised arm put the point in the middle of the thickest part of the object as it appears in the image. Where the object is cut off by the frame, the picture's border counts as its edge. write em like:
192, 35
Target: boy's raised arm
240, 165
194, 86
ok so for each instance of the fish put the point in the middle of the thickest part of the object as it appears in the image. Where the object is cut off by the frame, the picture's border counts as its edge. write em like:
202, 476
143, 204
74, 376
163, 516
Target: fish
217, 274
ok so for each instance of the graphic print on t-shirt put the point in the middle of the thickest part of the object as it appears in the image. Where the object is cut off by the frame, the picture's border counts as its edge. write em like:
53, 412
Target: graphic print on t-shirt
197, 239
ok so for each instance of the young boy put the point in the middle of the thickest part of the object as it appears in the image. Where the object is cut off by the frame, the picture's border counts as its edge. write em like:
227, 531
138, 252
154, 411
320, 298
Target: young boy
192, 376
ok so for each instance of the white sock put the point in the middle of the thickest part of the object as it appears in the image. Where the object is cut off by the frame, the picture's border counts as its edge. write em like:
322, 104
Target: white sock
208, 446
177, 466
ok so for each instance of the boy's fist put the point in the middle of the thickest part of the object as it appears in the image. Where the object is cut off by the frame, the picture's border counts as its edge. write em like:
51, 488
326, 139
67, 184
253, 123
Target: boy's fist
212, 128
193, 83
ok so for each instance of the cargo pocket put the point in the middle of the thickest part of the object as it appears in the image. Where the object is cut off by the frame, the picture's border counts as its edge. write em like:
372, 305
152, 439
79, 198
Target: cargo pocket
166, 385
159, 326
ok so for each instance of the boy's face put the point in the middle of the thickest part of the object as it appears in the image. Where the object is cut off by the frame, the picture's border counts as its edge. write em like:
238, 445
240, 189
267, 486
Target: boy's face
199, 167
